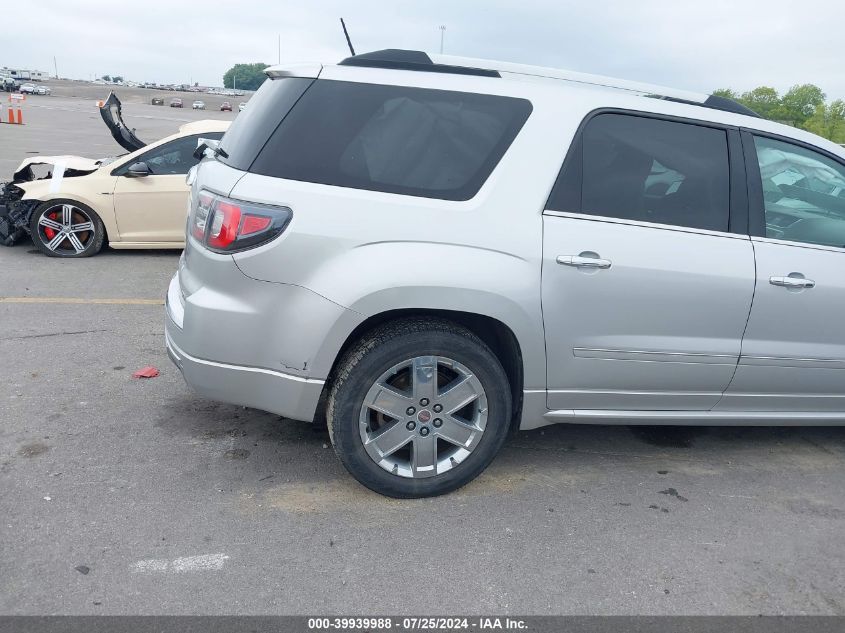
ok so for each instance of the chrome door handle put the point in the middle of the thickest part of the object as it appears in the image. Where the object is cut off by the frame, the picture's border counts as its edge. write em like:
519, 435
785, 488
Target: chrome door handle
583, 262
792, 282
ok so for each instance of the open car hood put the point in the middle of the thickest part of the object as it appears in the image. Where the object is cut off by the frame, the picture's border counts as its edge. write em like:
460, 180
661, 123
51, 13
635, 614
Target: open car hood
110, 111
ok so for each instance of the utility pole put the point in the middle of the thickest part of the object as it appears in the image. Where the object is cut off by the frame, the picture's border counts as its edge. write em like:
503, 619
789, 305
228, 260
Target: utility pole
442, 35
55, 67
280, 48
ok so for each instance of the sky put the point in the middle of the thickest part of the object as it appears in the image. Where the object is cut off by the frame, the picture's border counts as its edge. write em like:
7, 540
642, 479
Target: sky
694, 45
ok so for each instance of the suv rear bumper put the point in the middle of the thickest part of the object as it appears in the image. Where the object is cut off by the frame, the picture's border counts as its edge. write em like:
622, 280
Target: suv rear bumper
289, 396
248, 342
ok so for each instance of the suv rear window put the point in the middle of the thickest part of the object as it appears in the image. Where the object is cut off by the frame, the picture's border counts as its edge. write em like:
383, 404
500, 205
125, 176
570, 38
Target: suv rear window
253, 126
394, 139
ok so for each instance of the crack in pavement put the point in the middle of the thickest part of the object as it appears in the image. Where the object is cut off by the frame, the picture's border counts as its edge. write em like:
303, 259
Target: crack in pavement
17, 338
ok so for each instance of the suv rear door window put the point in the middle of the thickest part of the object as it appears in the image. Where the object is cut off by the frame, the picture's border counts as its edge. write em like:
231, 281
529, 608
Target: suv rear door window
649, 170
395, 139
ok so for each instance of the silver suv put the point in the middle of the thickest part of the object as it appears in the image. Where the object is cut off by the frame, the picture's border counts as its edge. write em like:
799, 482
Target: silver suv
430, 252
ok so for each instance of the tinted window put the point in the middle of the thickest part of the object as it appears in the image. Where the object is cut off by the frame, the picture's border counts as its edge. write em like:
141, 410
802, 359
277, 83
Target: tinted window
254, 125
649, 170
414, 141
803, 194
175, 157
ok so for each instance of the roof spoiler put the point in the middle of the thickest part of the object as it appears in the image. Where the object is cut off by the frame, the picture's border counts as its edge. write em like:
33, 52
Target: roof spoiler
304, 70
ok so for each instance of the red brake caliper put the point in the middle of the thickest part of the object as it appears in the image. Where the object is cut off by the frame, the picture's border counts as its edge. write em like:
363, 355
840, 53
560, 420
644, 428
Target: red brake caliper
50, 233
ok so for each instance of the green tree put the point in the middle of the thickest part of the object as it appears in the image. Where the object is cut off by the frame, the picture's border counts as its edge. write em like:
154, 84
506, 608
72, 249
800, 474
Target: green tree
106, 77
828, 121
763, 100
117, 78
800, 103
802, 106
837, 112
245, 76
726, 93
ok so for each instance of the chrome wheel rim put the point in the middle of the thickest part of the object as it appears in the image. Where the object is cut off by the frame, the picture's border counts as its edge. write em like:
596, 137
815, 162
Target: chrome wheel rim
423, 417
65, 228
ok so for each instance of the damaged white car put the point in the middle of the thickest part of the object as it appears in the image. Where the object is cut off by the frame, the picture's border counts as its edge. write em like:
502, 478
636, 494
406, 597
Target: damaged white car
71, 206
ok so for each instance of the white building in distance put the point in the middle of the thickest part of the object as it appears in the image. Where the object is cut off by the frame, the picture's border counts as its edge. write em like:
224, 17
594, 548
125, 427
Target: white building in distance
24, 75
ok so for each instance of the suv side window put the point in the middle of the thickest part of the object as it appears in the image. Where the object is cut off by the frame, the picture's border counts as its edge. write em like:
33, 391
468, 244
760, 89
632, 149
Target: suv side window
803, 194
648, 170
395, 139
175, 157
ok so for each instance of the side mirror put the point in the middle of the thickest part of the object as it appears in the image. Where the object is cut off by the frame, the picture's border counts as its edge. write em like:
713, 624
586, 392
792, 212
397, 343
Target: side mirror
138, 170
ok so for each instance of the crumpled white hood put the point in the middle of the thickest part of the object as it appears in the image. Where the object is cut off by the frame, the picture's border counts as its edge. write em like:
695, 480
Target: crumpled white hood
66, 162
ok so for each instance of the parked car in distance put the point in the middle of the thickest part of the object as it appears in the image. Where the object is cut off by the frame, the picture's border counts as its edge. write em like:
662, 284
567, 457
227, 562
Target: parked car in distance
176, 103
157, 101
7, 83
598, 251
27, 89
144, 206
198, 105
42, 90
241, 106
225, 107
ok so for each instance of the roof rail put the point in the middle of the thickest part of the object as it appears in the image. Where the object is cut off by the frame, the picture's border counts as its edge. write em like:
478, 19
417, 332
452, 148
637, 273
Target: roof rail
399, 59
729, 105
714, 103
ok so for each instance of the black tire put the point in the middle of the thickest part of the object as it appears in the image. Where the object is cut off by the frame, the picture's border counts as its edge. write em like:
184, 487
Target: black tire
92, 241
375, 354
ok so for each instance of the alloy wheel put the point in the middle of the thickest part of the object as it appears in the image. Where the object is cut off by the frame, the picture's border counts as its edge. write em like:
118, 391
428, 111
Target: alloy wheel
423, 416
65, 228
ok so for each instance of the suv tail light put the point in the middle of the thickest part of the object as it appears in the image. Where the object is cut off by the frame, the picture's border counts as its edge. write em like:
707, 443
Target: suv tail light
224, 225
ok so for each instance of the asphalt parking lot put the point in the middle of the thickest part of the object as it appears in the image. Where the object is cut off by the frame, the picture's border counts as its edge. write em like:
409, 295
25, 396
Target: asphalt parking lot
122, 496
